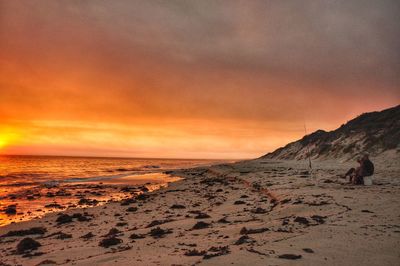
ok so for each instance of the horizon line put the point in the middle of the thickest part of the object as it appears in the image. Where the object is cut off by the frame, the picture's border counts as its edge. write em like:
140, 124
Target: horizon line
119, 157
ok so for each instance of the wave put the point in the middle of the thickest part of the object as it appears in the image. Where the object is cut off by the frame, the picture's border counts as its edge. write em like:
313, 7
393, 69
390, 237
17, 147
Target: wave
20, 184
92, 179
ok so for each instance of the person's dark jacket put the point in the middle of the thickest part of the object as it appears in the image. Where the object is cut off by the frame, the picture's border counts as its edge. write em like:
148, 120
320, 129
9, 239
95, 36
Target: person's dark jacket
367, 168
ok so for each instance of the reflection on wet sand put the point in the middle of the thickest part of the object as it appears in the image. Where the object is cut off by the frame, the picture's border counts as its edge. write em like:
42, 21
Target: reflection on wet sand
41, 199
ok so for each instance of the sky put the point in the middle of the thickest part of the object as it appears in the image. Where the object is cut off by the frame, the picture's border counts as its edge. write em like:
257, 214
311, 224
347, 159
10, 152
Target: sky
189, 79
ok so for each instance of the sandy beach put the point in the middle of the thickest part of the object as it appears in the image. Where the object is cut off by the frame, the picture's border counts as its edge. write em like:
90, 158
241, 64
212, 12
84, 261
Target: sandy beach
181, 133
257, 212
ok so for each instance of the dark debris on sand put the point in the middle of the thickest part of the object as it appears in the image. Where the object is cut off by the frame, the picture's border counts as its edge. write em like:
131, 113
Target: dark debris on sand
214, 180
308, 250
159, 232
158, 222
126, 202
63, 219
11, 210
223, 220
195, 252
319, 219
120, 224
200, 225
113, 232
81, 217
290, 256
132, 209
216, 251
259, 210
202, 215
302, 220
88, 236
46, 262
54, 205
245, 231
110, 241
27, 244
244, 239
63, 236
178, 206
31, 231
137, 236
142, 197
88, 202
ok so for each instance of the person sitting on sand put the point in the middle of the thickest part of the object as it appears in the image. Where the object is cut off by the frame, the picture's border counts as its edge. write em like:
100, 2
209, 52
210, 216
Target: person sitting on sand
357, 175
352, 171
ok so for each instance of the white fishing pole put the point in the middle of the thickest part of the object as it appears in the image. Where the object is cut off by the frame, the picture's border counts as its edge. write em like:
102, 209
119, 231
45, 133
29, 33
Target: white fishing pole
308, 149
310, 169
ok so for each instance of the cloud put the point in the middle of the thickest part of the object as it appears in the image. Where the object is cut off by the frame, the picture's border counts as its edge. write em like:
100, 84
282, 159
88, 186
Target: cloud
137, 62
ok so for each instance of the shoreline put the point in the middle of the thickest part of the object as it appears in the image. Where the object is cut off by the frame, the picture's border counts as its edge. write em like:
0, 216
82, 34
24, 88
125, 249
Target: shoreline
250, 212
51, 185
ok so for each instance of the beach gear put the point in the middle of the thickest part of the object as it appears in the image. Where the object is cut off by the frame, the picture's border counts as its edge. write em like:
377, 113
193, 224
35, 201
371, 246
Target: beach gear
367, 180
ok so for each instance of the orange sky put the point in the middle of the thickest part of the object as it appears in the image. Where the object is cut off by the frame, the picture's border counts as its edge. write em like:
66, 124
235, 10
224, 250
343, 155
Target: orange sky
189, 79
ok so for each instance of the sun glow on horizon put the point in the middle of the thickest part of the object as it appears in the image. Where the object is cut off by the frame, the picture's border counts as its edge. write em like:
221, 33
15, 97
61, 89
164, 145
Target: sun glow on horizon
8, 136
196, 139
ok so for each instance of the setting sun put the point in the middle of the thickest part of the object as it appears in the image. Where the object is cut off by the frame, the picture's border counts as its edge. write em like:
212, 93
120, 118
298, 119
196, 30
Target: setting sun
7, 137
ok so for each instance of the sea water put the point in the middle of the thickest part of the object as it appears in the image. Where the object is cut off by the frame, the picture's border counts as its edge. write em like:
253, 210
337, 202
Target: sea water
36, 185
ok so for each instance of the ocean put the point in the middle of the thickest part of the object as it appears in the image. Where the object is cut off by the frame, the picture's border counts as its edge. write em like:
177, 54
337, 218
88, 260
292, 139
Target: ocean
36, 185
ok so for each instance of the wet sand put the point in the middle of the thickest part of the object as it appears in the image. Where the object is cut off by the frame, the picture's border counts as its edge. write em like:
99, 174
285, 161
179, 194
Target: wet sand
40, 200
258, 212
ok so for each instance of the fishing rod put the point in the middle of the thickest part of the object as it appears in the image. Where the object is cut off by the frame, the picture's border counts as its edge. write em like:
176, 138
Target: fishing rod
308, 148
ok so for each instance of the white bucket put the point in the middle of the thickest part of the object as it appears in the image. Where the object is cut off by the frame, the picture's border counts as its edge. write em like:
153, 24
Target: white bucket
367, 180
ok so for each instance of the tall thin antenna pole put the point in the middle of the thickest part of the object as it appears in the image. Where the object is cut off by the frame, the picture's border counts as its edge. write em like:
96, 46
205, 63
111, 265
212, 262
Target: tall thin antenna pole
308, 148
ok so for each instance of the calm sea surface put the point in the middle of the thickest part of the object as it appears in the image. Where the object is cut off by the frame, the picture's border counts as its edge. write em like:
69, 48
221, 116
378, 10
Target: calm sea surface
36, 185
28, 170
